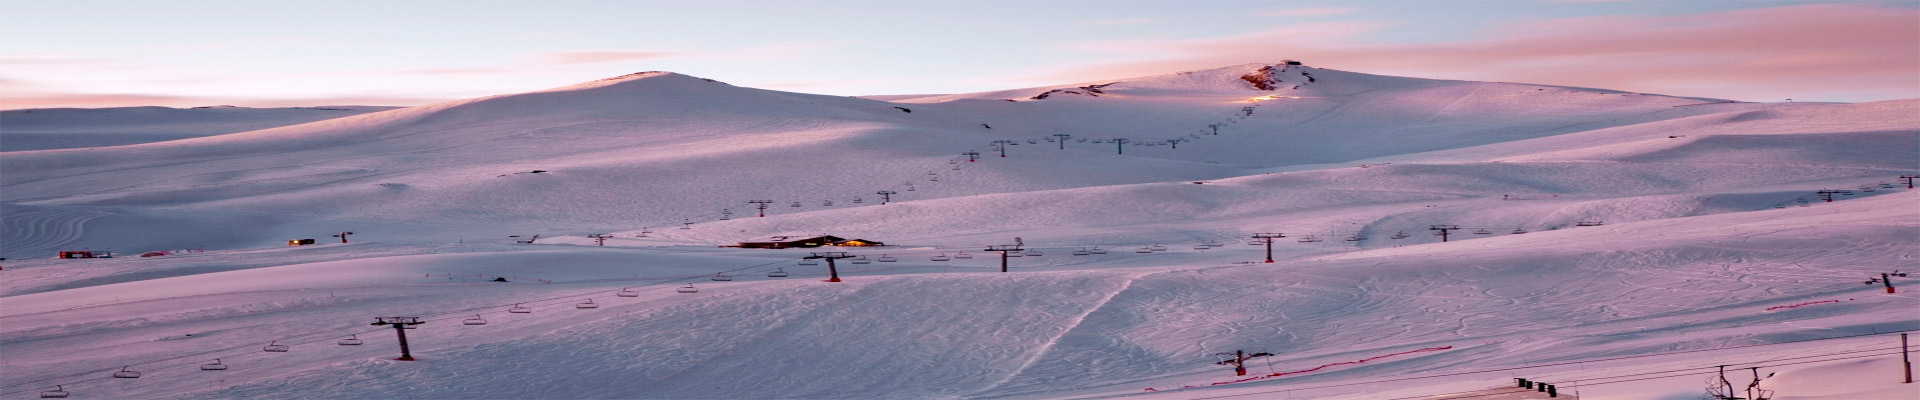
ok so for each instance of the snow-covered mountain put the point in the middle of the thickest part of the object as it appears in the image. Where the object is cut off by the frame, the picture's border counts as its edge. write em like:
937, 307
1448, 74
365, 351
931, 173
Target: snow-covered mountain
1593, 224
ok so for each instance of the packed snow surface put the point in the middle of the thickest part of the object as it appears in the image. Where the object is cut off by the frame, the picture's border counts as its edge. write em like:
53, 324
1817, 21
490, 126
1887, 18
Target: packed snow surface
1619, 245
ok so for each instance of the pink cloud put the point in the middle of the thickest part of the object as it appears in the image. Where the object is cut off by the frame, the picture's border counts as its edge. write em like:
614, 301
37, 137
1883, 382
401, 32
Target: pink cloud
590, 56
1310, 12
1802, 52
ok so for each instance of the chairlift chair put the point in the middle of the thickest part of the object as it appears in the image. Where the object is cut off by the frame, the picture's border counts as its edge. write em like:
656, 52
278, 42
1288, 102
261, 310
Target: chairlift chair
963, 255
213, 366
777, 273
626, 292
1097, 250
856, 200
1015, 254
722, 277
1202, 246
862, 260
887, 258
58, 392
1143, 250
809, 261
646, 230
1082, 252
275, 347
1255, 242
1517, 231
1886, 185
1868, 188
795, 204
909, 188
126, 373
687, 289
942, 257
1159, 247
1214, 243
956, 168
935, 179
517, 309
589, 304
353, 340
828, 203
476, 320
1356, 238
1483, 232
1309, 239
1035, 252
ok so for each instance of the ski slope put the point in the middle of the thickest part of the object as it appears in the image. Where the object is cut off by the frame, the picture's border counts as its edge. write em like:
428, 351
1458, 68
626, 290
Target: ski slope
1707, 247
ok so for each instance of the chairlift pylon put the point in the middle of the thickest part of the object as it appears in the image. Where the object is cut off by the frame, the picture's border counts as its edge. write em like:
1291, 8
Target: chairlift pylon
476, 320
352, 340
213, 366
627, 292
687, 289
777, 273
275, 347
517, 309
126, 373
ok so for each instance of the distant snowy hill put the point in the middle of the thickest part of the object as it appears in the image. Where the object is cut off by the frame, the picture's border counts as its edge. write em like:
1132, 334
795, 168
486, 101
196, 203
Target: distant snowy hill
65, 128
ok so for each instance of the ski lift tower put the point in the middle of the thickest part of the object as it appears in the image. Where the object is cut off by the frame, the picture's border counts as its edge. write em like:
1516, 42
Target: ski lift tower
971, 155
1063, 139
833, 273
1443, 230
343, 236
1239, 360
1268, 239
400, 327
1001, 145
762, 204
1003, 254
886, 195
1216, 129
1120, 146
600, 239
1909, 179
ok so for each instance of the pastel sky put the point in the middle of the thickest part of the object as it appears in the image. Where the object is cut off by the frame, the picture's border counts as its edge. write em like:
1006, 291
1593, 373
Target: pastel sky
60, 53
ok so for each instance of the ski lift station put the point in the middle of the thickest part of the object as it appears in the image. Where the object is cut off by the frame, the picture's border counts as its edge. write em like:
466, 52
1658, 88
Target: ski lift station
789, 242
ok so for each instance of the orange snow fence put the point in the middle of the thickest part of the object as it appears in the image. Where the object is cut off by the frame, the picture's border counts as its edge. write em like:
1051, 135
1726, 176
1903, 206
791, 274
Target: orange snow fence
1802, 304
1278, 374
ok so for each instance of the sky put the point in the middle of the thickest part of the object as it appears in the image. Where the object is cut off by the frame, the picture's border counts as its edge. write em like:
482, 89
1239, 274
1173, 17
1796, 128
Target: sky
278, 54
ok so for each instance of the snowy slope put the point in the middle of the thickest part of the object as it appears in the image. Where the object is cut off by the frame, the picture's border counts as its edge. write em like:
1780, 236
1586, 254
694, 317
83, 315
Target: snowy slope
63, 128
1710, 237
